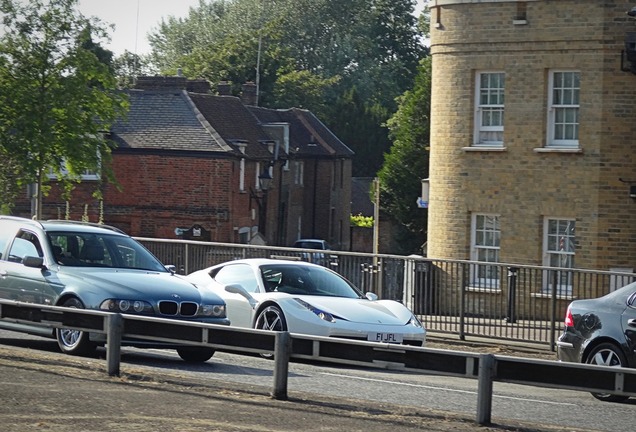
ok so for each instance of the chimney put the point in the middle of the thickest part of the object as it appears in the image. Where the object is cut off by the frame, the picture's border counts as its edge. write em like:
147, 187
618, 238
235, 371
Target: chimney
198, 86
248, 96
224, 88
160, 82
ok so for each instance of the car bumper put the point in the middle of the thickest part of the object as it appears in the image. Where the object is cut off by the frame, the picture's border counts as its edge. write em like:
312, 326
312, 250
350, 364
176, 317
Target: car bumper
569, 348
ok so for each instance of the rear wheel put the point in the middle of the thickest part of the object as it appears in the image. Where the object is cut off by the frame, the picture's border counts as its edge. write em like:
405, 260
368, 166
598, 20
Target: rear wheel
607, 354
195, 354
74, 342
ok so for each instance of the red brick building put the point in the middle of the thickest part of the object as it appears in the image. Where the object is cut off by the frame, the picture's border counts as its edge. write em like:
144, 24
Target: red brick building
188, 162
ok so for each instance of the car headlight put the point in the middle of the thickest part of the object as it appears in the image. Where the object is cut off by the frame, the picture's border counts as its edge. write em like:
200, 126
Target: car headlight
213, 310
415, 322
126, 306
325, 316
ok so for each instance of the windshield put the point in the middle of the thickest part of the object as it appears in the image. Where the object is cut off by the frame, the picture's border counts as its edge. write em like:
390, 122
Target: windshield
85, 249
307, 280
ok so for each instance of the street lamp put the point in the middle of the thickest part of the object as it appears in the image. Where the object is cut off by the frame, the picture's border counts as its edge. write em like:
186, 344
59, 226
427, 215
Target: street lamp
264, 181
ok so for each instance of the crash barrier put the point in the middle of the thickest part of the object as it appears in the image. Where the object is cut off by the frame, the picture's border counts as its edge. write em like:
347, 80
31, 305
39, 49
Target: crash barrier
463, 298
486, 368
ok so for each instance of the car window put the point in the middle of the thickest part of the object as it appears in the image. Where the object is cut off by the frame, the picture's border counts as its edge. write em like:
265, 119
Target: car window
240, 274
25, 244
86, 249
308, 280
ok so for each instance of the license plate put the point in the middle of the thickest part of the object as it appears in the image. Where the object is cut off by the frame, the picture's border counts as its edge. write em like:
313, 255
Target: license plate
385, 337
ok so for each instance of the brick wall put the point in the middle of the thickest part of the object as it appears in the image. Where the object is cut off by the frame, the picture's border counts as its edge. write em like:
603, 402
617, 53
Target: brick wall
520, 184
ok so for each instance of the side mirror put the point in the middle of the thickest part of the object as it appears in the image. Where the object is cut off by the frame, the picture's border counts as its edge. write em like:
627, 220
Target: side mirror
32, 261
238, 289
171, 268
371, 296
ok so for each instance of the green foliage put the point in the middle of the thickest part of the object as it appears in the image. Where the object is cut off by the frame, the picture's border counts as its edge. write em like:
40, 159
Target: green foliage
362, 221
57, 92
407, 162
128, 66
339, 59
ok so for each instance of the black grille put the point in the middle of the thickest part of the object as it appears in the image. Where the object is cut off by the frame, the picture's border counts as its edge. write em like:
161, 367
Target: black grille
169, 307
189, 308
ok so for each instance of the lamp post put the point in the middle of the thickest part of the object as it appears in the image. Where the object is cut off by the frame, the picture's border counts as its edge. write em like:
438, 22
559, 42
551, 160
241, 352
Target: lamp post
264, 181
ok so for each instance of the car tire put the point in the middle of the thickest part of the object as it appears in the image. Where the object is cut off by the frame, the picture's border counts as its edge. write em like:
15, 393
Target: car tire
195, 354
74, 342
607, 354
271, 318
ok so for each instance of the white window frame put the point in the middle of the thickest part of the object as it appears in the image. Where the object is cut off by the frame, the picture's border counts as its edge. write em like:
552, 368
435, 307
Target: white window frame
299, 172
242, 175
87, 175
485, 246
564, 109
486, 111
559, 243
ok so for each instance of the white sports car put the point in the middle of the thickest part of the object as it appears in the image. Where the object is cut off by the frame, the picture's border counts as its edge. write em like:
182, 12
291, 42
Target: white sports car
306, 298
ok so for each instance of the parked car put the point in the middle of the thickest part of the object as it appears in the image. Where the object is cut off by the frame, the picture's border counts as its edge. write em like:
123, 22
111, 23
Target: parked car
82, 265
601, 331
300, 297
323, 258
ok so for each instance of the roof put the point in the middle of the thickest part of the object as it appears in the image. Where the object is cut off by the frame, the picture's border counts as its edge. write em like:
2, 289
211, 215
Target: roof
234, 122
165, 120
308, 136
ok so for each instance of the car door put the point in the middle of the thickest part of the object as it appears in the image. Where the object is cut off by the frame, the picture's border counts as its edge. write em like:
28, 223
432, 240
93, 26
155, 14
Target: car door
25, 283
239, 311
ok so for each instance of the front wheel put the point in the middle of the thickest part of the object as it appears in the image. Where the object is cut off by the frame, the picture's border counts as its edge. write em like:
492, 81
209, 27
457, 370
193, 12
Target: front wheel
195, 354
74, 342
607, 354
271, 318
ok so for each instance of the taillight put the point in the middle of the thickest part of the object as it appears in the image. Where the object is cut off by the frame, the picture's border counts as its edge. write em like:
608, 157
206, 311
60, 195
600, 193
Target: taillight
569, 321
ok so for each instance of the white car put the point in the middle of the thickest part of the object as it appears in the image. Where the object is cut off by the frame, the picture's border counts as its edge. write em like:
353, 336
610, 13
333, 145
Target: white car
305, 298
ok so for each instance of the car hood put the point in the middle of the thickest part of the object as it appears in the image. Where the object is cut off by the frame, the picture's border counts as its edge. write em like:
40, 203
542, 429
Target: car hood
123, 283
363, 311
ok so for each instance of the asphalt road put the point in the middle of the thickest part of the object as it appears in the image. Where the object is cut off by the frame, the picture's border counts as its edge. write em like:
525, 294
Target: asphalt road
45, 390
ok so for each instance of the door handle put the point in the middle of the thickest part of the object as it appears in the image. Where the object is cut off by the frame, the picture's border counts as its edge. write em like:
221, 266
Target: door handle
4, 273
631, 322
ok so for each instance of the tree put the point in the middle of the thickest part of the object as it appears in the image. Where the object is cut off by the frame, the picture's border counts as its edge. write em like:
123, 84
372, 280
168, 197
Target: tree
57, 93
321, 50
407, 162
129, 66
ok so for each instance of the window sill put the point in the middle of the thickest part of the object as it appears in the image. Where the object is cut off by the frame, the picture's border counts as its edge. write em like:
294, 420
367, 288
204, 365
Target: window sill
545, 295
558, 150
484, 148
476, 289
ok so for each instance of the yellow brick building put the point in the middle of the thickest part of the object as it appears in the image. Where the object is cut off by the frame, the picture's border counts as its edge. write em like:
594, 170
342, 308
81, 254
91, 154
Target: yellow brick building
533, 133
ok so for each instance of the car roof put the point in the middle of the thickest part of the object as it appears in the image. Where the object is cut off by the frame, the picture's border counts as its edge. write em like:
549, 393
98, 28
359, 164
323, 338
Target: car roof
65, 225
266, 261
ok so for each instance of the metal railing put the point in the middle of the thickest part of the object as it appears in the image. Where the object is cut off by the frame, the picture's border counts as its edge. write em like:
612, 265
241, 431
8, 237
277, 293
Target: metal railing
463, 298
486, 368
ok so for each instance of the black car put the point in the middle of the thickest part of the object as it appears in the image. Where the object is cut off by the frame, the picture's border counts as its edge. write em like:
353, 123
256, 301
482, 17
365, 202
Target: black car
601, 331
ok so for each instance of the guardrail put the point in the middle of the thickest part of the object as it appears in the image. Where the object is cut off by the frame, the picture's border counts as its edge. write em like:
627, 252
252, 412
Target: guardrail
486, 368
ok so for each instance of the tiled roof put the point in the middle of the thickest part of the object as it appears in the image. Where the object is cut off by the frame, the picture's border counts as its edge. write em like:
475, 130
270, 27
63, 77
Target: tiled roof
308, 136
234, 122
165, 120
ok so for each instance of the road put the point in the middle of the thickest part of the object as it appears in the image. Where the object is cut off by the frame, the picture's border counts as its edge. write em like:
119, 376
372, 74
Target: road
511, 403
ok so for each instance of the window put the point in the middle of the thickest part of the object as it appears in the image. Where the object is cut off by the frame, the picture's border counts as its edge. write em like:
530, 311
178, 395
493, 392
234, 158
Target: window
299, 172
563, 109
559, 243
485, 248
489, 109
240, 274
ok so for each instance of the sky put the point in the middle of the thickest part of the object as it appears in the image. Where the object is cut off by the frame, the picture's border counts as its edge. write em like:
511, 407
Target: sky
134, 19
